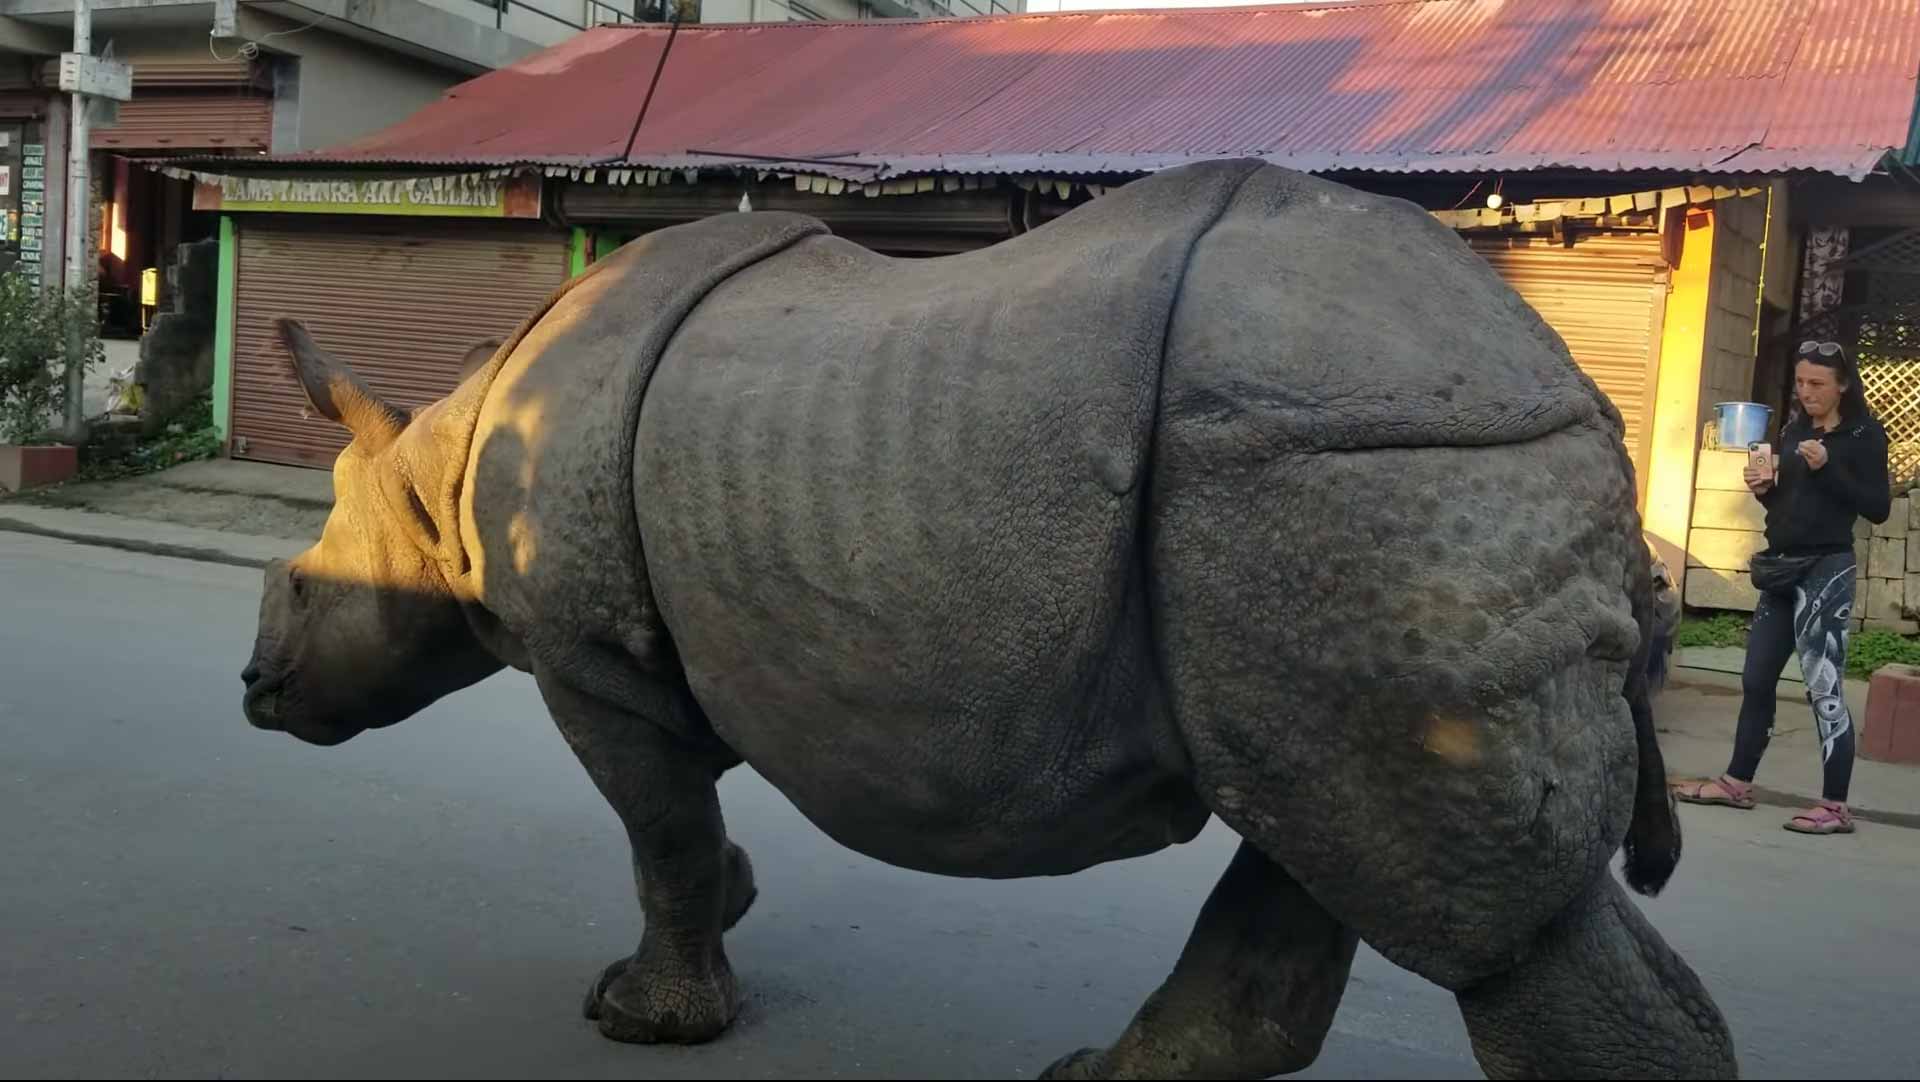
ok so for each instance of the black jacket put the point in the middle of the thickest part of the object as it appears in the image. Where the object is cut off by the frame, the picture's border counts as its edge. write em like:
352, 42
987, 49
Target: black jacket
1811, 512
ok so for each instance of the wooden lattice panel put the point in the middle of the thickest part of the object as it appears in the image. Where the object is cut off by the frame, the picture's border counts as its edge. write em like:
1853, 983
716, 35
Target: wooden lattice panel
1886, 330
1892, 383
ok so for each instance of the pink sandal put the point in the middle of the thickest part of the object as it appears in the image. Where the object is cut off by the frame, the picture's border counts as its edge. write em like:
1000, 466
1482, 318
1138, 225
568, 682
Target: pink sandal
1827, 817
1721, 791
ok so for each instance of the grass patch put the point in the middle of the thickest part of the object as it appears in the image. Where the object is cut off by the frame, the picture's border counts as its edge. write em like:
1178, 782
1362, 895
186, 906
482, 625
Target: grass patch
1719, 629
1867, 651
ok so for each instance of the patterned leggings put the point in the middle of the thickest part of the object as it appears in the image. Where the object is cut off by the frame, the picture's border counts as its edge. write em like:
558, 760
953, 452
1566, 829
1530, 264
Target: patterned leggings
1817, 628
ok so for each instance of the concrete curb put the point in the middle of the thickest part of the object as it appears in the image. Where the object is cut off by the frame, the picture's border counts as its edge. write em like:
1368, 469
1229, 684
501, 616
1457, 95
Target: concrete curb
1786, 691
1724, 683
127, 544
299, 502
1774, 798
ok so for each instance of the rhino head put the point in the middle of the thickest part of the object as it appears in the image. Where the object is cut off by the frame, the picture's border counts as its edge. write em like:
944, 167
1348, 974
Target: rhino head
365, 628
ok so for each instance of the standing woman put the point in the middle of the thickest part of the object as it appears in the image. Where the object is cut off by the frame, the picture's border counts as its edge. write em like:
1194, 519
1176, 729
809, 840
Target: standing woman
1829, 469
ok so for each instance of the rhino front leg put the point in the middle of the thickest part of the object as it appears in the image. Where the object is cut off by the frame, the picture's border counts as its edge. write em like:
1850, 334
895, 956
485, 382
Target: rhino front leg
693, 883
1598, 995
1253, 994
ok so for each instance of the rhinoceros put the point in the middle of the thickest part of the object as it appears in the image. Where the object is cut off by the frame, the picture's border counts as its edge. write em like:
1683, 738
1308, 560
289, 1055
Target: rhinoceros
1235, 492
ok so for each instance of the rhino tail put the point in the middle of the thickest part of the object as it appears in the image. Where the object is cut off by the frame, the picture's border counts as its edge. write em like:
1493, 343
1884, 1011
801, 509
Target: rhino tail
1659, 662
1652, 845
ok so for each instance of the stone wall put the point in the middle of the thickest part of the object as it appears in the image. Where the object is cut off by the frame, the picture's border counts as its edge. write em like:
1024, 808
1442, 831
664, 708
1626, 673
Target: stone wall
1728, 529
1733, 302
176, 353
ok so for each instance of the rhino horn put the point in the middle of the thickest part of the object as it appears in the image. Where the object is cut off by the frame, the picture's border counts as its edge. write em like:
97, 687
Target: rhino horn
336, 391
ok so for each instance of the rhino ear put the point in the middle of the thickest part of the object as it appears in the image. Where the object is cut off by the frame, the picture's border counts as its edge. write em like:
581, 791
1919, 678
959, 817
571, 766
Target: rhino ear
335, 391
480, 354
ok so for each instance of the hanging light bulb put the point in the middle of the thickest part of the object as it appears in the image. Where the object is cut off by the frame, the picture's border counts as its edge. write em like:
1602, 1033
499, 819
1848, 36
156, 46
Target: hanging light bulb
1495, 200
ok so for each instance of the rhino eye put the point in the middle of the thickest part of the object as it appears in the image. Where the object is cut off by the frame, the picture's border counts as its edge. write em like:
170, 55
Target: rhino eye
298, 582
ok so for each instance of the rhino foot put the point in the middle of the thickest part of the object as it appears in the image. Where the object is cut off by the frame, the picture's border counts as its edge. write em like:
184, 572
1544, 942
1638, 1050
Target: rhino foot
639, 1008
1086, 1063
636, 1007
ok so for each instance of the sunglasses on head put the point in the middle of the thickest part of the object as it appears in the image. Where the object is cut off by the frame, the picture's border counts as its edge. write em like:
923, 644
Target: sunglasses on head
1811, 348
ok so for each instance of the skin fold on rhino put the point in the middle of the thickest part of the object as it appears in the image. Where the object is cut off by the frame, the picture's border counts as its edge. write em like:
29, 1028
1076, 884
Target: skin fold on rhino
1234, 492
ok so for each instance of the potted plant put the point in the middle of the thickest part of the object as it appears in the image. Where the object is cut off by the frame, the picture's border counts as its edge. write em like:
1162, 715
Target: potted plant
38, 330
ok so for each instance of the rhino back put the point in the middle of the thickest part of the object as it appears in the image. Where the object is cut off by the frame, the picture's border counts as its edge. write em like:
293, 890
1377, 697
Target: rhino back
890, 510
1317, 317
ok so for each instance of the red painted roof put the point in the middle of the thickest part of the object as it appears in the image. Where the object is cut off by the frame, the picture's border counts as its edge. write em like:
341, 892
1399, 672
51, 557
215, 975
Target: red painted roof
1386, 85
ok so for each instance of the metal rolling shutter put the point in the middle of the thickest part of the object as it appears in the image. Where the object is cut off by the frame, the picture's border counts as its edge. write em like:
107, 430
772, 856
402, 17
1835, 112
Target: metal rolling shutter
401, 303
185, 121
22, 104
189, 104
1604, 296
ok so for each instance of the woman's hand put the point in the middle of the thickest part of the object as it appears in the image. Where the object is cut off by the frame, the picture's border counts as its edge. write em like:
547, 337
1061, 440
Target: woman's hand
1757, 480
1814, 452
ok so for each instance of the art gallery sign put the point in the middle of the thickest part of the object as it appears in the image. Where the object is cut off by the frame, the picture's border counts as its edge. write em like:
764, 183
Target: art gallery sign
462, 196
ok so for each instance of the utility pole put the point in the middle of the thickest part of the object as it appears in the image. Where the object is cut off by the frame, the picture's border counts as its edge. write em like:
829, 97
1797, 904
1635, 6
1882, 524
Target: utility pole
86, 78
79, 215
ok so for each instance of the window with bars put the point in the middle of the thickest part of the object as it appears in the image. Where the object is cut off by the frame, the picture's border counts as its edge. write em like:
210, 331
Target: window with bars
1879, 321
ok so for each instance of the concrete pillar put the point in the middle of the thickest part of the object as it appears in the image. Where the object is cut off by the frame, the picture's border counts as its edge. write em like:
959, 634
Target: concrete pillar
53, 253
1677, 409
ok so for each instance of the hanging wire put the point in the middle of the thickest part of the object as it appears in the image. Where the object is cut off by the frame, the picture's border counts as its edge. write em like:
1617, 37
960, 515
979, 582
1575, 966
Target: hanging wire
672, 32
250, 49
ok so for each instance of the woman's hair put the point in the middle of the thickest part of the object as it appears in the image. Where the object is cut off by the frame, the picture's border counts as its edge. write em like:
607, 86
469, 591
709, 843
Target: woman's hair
1832, 355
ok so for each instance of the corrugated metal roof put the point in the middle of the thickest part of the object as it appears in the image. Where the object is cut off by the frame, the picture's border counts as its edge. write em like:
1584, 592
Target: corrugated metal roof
1718, 86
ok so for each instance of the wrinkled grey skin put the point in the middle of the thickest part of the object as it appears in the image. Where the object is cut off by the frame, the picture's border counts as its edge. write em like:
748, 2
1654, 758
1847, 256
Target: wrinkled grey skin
1232, 493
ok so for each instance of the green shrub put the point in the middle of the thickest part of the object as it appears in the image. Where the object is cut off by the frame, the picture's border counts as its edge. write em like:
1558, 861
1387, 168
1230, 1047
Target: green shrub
1867, 651
1720, 629
37, 328
191, 436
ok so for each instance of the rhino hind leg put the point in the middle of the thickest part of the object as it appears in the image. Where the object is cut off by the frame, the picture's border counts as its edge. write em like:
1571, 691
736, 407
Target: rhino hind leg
1599, 995
677, 986
1253, 994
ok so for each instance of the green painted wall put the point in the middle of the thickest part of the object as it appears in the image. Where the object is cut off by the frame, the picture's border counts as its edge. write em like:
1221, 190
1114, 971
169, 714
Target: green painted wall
223, 333
577, 261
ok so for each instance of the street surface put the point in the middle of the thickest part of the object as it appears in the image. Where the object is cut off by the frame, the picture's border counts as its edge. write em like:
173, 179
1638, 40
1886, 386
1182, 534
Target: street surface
182, 896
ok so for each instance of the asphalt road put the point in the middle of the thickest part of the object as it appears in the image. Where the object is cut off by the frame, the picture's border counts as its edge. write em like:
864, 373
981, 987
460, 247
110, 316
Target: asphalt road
182, 896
